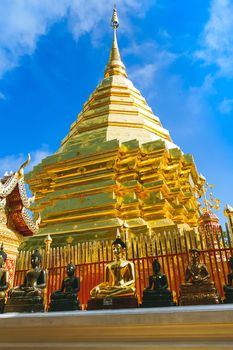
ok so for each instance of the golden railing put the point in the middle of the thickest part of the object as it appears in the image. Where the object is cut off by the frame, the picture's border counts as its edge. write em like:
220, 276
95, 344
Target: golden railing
171, 248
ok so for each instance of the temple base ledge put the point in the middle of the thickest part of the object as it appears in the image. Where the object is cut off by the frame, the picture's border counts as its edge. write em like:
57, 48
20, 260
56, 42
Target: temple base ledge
190, 327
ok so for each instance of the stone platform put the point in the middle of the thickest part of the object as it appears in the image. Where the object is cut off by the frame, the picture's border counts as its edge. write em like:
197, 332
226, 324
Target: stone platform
190, 327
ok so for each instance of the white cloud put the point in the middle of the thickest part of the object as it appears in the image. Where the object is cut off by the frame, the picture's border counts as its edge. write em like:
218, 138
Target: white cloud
155, 59
143, 75
164, 34
181, 108
206, 88
196, 105
22, 22
148, 50
226, 106
2, 96
186, 108
14, 161
217, 38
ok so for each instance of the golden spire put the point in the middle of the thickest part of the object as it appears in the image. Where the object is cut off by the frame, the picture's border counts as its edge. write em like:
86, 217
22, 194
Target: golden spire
115, 66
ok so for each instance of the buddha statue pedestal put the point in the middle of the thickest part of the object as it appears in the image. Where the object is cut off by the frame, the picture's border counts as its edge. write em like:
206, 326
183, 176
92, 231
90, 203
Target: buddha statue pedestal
28, 297
112, 303
65, 299
228, 295
157, 299
198, 294
2, 305
198, 289
157, 293
118, 291
67, 304
228, 288
25, 304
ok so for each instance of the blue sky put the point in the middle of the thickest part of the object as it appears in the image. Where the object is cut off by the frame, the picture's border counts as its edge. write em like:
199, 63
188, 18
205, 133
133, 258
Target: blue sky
178, 53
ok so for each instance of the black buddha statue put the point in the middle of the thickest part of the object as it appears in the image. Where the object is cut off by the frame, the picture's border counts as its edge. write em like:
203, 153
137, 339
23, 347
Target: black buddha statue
65, 298
28, 297
4, 279
157, 293
228, 288
197, 289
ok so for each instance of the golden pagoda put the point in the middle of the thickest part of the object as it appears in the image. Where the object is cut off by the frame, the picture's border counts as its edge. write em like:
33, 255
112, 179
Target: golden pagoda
117, 164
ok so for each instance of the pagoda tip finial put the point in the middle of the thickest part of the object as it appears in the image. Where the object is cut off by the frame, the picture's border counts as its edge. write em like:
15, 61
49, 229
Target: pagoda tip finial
118, 234
115, 66
115, 20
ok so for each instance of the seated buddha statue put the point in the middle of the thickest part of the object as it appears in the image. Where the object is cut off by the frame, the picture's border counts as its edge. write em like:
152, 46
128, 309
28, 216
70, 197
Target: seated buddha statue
157, 293
65, 298
228, 288
118, 289
4, 279
28, 297
197, 289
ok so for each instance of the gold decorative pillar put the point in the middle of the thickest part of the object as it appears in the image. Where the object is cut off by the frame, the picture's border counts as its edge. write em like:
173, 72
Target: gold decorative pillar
228, 212
125, 230
125, 233
150, 240
11, 240
47, 241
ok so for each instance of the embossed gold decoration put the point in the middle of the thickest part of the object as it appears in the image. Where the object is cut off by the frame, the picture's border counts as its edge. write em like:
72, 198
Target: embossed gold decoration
209, 202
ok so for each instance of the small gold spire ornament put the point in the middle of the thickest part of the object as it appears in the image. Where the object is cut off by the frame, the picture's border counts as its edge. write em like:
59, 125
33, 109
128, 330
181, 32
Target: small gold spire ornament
208, 203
